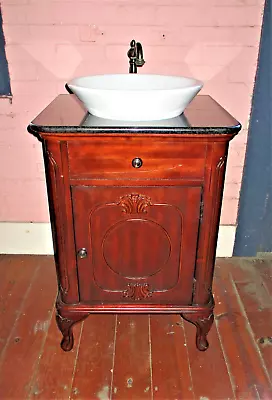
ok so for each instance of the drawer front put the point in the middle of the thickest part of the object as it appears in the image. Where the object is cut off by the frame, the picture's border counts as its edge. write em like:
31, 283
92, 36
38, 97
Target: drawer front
136, 159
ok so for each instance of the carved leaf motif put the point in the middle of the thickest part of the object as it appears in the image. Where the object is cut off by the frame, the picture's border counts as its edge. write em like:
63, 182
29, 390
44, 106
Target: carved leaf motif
134, 203
206, 319
52, 160
137, 291
221, 162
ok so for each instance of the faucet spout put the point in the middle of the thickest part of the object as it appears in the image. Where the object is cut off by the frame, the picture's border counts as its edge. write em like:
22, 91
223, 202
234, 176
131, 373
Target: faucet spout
136, 57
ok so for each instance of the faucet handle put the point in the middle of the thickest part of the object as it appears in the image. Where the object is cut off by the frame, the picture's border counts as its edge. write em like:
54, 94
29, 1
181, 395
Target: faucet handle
132, 51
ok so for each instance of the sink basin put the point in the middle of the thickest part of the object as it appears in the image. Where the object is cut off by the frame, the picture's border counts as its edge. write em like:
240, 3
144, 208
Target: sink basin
135, 97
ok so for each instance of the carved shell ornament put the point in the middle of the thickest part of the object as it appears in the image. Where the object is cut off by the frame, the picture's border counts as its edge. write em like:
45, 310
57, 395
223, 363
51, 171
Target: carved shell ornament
134, 203
137, 291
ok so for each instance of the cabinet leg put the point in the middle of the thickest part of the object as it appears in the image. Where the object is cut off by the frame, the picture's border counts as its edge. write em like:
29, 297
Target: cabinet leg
203, 323
65, 325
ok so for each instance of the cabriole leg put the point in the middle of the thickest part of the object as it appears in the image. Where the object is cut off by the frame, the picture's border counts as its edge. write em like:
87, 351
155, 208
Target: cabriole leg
203, 323
65, 325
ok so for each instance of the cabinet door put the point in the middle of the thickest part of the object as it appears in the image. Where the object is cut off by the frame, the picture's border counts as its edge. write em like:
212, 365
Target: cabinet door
140, 243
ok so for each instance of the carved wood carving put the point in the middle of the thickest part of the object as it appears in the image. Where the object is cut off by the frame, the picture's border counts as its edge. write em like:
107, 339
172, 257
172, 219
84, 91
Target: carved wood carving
65, 325
203, 323
137, 291
134, 203
52, 160
221, 162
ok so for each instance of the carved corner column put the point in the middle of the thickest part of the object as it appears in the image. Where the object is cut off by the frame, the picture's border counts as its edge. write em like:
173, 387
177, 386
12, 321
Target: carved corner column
56, 166
212, 200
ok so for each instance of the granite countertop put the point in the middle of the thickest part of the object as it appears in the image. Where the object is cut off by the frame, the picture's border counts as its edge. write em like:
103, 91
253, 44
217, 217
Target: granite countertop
67, 115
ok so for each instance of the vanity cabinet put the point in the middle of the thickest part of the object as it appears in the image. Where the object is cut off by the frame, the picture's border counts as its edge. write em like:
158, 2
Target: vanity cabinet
134, 210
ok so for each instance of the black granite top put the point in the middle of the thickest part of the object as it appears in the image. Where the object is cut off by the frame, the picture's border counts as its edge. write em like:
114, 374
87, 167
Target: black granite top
66, 114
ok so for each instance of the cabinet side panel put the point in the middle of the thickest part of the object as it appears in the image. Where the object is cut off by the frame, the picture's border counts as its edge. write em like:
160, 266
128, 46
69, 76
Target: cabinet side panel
212, 201
56, 167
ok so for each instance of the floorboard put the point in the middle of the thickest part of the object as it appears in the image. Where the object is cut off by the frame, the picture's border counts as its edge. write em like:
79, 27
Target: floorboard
94, 369
266, 273
208, 366
246, 366
135, 356
54, 375
258, 308
16, 274
132, 365
25, 343
171, 373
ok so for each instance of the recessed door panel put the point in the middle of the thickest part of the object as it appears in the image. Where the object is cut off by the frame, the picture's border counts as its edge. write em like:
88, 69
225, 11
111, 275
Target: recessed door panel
135, 240
126, 249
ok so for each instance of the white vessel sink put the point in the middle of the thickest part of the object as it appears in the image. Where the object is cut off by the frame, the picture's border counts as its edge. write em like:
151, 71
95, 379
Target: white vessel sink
135, 97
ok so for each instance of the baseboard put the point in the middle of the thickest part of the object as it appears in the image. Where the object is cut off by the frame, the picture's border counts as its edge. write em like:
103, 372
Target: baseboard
25, 238
225, 242
264, 254
35, 238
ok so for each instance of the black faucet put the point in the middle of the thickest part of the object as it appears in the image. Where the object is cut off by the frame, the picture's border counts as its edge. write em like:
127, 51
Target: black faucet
136, 57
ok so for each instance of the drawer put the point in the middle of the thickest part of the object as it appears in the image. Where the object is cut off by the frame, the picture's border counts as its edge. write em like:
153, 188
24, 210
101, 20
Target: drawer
136, 159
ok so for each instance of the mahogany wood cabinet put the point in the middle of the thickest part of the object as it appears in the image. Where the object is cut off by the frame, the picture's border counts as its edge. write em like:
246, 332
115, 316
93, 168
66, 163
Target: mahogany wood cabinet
134, 210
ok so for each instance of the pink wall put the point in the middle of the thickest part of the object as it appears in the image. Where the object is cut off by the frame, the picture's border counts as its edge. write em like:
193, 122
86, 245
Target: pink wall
49, 42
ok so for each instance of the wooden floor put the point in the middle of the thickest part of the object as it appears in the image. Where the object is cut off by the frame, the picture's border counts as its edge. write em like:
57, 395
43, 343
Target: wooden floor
135, 357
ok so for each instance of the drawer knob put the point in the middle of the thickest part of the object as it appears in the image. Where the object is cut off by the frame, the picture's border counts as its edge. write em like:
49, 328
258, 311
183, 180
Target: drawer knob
137, 162
82, 253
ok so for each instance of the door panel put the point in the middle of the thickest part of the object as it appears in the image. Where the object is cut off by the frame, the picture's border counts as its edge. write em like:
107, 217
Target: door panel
135, 239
